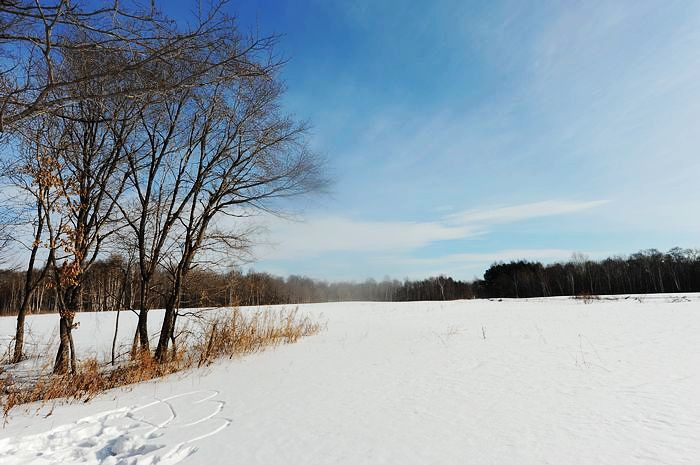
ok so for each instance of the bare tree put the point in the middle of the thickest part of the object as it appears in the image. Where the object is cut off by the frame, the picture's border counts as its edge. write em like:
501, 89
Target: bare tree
162, 178
32, 175
89, 152
125, 283
243, 155
157, 184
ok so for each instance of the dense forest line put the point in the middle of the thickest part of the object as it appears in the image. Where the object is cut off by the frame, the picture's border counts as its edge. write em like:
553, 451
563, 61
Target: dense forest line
645, 272
113, 284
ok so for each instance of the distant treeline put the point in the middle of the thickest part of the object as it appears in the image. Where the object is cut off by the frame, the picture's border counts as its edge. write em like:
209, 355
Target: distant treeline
648, 271
111, 284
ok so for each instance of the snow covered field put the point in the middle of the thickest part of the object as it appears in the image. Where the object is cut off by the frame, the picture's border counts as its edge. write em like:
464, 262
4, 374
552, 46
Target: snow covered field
539, 381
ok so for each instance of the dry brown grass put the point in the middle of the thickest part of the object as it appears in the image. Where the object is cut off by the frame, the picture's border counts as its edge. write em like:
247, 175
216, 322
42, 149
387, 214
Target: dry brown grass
227, 335
238, 333
587, 297
90, 379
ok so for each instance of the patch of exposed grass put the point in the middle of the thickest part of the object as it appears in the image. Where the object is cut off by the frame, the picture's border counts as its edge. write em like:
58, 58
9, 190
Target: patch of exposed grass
586, 297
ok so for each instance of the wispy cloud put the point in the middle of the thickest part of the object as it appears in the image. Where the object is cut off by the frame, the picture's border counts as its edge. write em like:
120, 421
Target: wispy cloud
319, 235
315, 236
507, 214
487, 257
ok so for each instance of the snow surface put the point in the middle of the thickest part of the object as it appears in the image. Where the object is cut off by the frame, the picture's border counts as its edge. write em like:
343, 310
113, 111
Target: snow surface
537, 381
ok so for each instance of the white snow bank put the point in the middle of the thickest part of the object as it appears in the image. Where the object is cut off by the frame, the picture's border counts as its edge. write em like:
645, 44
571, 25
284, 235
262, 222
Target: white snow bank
482, 382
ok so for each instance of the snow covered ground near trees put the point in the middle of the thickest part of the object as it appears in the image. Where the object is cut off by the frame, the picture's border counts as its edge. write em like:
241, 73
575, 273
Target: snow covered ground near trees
482, 382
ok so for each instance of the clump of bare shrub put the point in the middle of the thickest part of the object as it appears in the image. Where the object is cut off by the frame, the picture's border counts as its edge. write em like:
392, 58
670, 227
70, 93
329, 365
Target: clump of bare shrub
240, 333
90, 379
587, 297
228, 334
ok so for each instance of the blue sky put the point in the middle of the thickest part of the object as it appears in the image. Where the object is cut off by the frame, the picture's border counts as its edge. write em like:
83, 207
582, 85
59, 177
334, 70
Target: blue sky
459, 133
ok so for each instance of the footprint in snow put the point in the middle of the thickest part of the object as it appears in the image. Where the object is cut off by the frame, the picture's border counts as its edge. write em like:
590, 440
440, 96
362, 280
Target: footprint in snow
163, 431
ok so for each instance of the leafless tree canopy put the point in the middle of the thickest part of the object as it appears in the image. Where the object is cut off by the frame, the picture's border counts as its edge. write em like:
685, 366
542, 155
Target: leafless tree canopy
140, 50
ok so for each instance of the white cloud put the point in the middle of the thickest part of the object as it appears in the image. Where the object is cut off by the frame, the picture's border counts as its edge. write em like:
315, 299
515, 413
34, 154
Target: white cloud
290, 239
315, 236
526, 211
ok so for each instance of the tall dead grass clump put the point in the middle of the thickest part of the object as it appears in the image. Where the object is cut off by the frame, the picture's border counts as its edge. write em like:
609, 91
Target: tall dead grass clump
226, 335
238, 333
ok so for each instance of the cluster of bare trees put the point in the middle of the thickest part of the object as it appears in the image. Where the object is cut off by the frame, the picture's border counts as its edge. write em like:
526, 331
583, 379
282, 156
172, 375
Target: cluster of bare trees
648, 271
113, 284
126, 130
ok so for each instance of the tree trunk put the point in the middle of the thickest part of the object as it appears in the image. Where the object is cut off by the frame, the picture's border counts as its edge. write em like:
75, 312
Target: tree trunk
143, 317
141, 342
172, 332
166, 330
29, 288
65, 357
116, 332
143, 330
19, 333
171, 306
